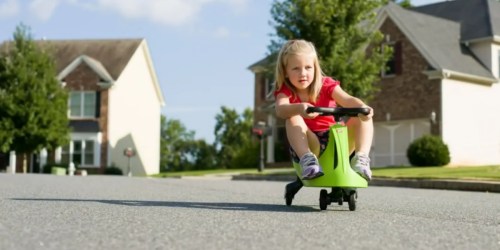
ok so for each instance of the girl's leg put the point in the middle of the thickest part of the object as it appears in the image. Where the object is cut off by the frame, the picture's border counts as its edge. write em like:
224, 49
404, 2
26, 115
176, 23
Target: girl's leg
300, 137
360, 135
360, 140
306, 145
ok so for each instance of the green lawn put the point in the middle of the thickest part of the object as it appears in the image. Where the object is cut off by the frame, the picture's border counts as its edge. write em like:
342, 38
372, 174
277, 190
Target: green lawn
464, 173
472, 173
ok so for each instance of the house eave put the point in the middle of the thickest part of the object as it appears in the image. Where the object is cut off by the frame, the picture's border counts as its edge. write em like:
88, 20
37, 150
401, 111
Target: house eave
454, 75
491, 39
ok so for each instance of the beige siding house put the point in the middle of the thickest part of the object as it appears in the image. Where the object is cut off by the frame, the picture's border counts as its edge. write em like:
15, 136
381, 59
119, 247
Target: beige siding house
115, 104
443, 80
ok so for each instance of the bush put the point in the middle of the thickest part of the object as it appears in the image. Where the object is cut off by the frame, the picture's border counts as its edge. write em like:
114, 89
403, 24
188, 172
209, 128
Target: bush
48, 168
428, 150
113, 171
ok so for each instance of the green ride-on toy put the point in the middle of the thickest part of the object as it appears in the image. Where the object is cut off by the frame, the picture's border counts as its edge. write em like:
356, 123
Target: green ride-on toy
335, 163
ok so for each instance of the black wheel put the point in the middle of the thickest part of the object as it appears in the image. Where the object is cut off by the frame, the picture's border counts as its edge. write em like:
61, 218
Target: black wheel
323, 199
291, 189
341, 202
352, 201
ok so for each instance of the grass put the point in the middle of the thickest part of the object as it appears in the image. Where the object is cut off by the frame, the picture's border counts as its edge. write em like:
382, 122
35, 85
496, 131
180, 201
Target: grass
461, 173
208, 172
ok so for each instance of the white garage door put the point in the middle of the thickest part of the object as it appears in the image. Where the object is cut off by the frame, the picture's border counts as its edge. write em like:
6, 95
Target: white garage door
391, 140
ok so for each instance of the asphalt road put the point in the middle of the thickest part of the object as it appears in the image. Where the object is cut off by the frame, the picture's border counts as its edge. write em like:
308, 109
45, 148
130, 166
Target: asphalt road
114, 212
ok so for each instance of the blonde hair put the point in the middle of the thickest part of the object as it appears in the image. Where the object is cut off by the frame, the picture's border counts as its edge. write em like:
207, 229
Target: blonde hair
298, 47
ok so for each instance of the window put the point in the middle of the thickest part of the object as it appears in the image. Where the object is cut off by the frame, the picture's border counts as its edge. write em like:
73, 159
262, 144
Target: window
82, 152
269, 88
394, 64
498, 63
82, 104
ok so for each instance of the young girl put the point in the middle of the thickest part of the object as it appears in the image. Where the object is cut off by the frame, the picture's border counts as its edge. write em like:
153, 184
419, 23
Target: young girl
300, 84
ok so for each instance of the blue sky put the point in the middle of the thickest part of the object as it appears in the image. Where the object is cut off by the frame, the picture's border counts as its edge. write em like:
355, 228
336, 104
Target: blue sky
201, 49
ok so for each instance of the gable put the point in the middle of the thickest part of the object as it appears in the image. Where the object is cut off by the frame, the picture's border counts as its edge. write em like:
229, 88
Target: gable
479, 18
110, 55
93, 64
438, 41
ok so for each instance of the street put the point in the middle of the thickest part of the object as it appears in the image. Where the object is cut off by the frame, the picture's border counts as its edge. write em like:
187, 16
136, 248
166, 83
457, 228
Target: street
117, 212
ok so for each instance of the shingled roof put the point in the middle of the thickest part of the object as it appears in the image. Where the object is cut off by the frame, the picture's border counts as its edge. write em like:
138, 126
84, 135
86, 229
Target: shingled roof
113, 54
478, 18
438, 40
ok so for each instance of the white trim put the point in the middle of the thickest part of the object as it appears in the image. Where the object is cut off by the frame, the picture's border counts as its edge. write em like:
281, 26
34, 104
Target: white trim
82, 105
450, 74
95, 65
494, 39
96, 138
151, 69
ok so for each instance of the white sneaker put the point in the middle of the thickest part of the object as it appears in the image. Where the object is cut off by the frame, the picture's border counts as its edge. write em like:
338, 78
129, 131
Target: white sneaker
310, 167
361, 164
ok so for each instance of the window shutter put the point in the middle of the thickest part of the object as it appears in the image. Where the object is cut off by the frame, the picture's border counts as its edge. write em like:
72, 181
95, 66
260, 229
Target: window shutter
398, 58
98, 104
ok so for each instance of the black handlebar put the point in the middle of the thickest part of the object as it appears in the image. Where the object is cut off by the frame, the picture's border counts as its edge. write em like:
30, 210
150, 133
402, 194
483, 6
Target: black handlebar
338, 111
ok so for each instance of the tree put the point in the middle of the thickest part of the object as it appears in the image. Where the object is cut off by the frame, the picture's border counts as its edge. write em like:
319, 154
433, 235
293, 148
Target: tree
174, 145
342, 31
403, 3
180, 151
233, 138
33, 105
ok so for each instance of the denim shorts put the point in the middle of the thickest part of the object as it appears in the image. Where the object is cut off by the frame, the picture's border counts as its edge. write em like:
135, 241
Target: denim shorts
323, 142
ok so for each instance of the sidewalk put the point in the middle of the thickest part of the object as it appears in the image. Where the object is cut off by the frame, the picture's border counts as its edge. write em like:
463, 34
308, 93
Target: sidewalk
461, 185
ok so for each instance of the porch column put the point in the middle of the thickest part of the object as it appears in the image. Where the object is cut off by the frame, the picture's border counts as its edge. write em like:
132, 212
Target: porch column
270, 138
12, 162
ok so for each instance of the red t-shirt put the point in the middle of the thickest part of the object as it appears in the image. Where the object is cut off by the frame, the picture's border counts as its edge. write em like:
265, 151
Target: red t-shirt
320, 123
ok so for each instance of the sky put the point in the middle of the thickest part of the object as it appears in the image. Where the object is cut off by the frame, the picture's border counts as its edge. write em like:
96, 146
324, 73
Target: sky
201, 49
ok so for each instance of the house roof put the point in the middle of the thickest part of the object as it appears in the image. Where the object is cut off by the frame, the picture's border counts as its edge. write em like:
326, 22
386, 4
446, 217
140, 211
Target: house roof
107, 57
113, 55
478, 18
263, 64
438, 40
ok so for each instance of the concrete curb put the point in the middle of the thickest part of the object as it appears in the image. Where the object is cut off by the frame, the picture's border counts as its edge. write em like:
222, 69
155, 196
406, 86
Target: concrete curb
461, 185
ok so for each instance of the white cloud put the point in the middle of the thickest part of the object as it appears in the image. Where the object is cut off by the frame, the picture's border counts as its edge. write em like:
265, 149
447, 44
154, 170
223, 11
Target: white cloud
43, 9
167, 12
221, 32
9, 8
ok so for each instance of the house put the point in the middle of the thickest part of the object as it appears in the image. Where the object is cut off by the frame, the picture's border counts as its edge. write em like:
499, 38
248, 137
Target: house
443, 79
114, 105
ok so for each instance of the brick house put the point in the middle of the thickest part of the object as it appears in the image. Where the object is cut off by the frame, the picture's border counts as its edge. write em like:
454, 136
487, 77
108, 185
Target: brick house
114, 103
443, 79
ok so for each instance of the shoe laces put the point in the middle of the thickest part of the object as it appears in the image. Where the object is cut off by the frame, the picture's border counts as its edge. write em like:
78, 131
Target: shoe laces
308, 160
363, 160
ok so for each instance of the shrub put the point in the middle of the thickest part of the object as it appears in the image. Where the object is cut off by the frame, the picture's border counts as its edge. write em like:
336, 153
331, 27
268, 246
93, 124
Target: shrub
48, 168
428, 150
113, 171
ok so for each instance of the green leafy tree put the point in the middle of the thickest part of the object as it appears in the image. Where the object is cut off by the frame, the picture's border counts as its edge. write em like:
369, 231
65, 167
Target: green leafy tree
179, 150
342, 31
204, 155
233, 139
174, 144
403, 3
33, 104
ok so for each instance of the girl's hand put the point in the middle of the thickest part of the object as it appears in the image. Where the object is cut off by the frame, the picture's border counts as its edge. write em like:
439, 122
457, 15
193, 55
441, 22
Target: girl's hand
368, 116
306, 115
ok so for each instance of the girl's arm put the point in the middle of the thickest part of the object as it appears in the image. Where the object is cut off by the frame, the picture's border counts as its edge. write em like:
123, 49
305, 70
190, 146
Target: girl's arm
348, 101
285, 109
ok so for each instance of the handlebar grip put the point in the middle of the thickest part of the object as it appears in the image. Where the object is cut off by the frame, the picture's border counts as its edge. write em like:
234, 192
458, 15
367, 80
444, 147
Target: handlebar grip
338, 111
